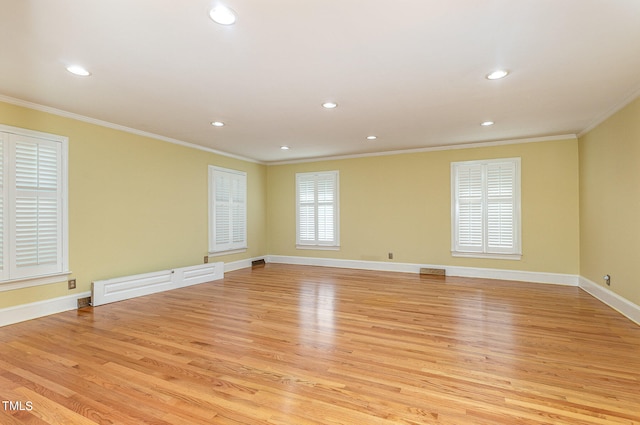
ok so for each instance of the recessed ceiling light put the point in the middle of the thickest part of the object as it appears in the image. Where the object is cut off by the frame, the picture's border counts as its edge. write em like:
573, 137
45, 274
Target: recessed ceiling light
217, 124
372, 137
497, 74
487, 123
223, 15
329, 105
284, 148
78, 70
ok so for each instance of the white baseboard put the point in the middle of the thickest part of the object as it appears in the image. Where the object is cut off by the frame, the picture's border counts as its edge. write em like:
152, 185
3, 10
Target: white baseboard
517, 275
610, 298
241, 264
24, 312
35, 310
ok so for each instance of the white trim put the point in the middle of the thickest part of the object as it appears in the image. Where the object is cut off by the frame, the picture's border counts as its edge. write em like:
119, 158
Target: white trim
515, 275
32, 133
315, 177
21, 313
65, 114
610, 298
431, 149
230, 176
27, 282
483, 167
605, 295
486, 255
228, 170
319, 247
60, 271
346, 264
24, 312
241, 264
617, 107
221, 253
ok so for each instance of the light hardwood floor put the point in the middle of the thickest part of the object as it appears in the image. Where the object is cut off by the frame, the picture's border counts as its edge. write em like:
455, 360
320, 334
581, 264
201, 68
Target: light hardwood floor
309, 345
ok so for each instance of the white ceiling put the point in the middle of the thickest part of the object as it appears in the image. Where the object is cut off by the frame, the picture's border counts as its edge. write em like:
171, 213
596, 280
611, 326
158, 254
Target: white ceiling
411, 72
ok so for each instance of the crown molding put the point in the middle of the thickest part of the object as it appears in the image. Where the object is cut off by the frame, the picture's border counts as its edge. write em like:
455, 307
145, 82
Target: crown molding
66, 114
431, 149
617, 107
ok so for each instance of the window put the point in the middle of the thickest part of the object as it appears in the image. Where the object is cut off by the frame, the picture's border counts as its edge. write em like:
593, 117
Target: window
227, 210
317, 214
485, 208
33, 208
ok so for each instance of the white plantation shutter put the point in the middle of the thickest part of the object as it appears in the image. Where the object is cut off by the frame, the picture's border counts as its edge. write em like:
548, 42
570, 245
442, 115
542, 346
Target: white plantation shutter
500, 207
469, 232
239, 211
33, 216
486, 208
317, 209
222, 216
306, 210
228, 209
38, 207
326, 219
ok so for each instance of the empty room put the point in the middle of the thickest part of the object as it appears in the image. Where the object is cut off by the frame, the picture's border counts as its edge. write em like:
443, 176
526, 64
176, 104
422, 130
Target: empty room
320, 212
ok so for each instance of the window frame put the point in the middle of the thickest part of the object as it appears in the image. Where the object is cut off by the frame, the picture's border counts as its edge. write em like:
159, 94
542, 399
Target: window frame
485, 250
316, 243
231, 247
10, 278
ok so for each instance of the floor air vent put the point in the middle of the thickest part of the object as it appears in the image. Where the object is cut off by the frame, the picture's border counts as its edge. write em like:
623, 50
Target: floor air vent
258, 263
432, 272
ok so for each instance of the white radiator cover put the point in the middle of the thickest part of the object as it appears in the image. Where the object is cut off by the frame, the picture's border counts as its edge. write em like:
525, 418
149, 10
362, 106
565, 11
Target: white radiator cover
122, 288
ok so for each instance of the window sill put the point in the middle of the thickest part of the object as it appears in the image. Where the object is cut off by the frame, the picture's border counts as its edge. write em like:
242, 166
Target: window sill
10, 285
515, 257
231, 251
319, 247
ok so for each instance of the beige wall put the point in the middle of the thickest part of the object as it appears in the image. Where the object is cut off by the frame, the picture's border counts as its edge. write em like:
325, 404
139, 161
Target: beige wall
402, 204
136, 204
610, 202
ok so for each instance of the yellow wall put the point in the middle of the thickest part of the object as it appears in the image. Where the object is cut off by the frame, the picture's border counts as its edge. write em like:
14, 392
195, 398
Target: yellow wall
402, 204
136, 204
610, 202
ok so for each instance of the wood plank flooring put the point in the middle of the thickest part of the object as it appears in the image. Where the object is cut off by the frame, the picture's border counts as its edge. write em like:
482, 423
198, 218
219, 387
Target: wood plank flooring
309, 345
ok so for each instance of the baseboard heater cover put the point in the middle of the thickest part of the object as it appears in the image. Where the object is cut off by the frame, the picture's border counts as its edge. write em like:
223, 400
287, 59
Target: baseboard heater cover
122, 288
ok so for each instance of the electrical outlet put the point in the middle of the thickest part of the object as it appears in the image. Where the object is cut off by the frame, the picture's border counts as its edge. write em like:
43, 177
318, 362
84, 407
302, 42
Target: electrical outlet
607, 279
206, 259
391, 256
72, 284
